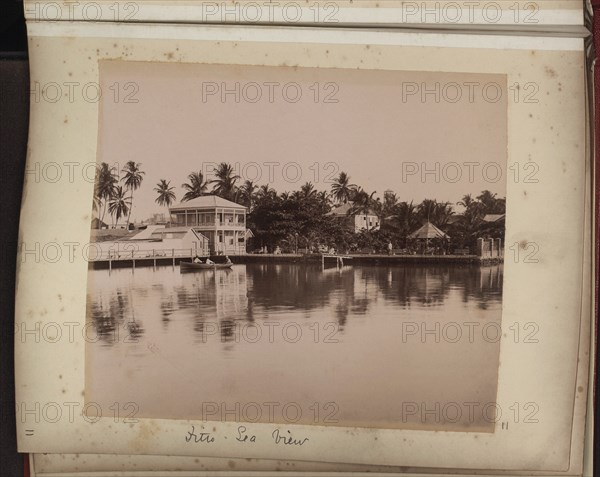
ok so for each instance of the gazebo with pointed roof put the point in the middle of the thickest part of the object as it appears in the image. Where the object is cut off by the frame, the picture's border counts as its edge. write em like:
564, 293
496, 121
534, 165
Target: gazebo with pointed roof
428, 231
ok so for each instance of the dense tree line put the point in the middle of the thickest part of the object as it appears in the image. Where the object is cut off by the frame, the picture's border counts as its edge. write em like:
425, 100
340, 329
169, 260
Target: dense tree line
302, 219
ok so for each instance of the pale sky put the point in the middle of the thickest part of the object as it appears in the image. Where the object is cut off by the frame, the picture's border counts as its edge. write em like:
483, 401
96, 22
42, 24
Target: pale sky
381, 131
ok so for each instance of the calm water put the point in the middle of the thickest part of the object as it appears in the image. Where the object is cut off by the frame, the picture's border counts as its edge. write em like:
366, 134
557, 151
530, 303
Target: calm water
398, 346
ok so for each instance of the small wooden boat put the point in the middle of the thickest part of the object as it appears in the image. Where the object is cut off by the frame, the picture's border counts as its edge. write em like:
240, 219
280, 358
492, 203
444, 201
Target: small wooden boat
191, 266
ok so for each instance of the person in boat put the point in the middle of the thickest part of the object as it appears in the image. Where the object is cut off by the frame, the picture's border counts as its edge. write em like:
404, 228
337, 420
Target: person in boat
209, 261
227, 259
197, 259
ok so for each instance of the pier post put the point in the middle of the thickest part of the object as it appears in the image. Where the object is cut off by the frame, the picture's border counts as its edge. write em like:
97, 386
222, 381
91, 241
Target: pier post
491, 242
154, 259
173, 255
133, 259
499, 247
480, 247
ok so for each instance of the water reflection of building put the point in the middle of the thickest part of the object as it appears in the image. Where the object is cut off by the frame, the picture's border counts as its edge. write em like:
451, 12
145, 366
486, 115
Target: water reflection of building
431, 285
249, 293
219, 297
353, 290
490, 278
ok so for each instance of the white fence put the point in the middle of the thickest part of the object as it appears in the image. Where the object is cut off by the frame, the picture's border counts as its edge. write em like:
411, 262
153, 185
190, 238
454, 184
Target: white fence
132, 251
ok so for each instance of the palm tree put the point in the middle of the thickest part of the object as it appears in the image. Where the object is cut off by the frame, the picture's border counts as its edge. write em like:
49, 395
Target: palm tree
341, 189
438, 213
166, 196
264, 192
324, 198
224, 184
500, 207
390, 202
473, 213
96, 202
405, 217
307, 191
133, 180
119, 204
426, 210
488, 199
246, 192
104, 187
364, 203
467, 201
196, 187
442, 213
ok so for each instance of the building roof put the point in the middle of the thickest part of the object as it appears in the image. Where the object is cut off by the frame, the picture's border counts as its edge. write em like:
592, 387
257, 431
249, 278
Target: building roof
98, 224
455, 218
177, 232
494, 217
108, 235
207, 202
428, 231
345, 210
160, 234
173, 230
145, 234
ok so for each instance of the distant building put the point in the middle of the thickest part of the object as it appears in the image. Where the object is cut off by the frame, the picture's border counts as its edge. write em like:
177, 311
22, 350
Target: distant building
454, 218
153, 241
493, 226
157, 219
221, 221
353, 220
495, 218
97, 224
181, 238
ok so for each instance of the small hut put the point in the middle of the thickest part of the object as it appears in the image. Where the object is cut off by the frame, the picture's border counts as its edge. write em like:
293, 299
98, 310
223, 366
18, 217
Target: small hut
429, 233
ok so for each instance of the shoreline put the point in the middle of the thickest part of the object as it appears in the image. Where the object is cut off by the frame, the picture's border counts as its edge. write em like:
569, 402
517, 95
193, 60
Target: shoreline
330, 260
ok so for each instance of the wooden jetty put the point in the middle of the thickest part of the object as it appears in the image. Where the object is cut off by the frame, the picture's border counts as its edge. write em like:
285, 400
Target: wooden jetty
173, 257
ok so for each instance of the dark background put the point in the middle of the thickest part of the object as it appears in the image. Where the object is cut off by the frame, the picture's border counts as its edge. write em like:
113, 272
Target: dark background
14, 120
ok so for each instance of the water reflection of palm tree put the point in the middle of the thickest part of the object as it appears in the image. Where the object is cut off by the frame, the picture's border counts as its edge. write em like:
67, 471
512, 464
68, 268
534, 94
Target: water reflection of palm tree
250, 293
135, 329
104, 322
431, 285
108, 321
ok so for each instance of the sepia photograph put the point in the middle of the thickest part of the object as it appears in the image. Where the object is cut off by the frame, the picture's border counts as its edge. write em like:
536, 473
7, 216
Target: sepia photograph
339, 263
301, 247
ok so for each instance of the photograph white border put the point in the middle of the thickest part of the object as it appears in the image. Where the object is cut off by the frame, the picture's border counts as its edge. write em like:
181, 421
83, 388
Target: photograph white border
545, 373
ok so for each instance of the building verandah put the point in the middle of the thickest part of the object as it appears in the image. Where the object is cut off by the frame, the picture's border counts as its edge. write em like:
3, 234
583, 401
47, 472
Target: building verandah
223, 222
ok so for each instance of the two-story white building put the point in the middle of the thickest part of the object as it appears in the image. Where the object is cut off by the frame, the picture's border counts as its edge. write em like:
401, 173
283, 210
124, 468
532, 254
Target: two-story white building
355, 221
221, 221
